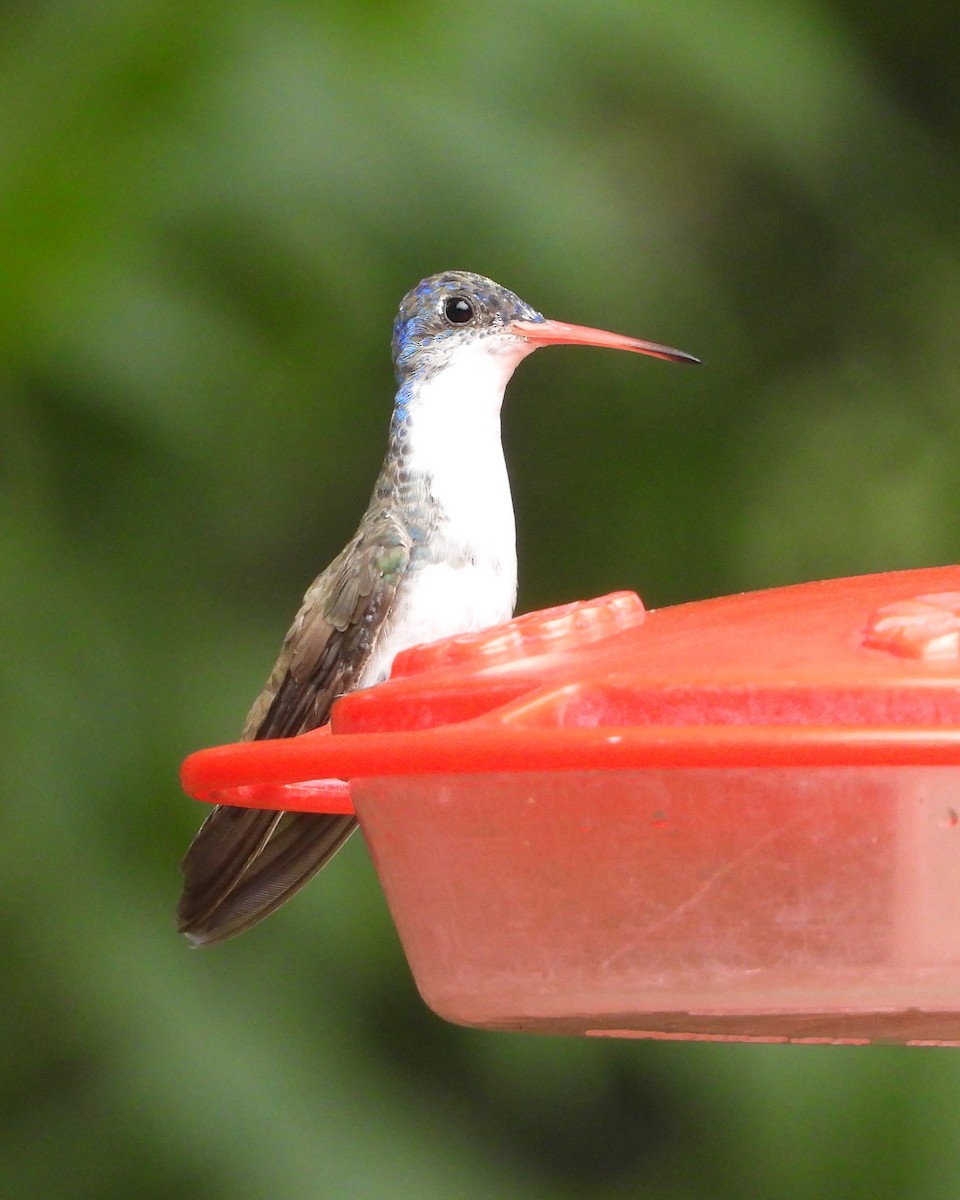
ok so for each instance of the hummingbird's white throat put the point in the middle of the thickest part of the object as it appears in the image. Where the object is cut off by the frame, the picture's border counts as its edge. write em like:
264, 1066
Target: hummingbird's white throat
453, 443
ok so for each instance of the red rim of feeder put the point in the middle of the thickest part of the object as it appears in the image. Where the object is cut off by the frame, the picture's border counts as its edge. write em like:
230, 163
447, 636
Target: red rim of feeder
856, 672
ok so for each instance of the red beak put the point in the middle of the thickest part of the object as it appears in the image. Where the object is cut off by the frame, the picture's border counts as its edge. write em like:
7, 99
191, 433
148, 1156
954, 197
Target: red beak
559, 333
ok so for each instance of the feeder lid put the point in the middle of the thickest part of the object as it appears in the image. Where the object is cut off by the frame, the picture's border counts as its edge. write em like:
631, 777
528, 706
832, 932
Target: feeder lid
858, 671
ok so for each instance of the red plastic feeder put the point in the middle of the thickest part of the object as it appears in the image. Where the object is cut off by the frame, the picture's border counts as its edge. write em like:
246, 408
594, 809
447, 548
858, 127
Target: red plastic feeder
734, 819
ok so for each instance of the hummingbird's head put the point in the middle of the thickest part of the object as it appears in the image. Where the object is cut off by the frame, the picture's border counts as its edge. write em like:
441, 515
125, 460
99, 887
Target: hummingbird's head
454, 309
457, 309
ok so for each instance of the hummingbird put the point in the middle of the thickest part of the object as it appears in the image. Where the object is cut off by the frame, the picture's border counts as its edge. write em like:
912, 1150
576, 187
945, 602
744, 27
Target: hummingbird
433, 556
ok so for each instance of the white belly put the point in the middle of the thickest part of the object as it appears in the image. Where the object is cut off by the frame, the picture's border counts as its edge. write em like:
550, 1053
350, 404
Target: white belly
440, 601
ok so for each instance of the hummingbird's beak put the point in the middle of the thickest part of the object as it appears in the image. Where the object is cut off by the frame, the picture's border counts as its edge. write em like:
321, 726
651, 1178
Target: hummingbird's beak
559, 333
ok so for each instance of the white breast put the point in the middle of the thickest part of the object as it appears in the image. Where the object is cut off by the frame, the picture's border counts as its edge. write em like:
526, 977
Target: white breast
454, 441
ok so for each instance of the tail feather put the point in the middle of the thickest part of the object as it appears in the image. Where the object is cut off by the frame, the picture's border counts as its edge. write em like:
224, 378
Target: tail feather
244, 863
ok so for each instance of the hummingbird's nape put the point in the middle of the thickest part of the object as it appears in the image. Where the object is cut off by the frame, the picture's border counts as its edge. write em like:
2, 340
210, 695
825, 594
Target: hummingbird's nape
434, 556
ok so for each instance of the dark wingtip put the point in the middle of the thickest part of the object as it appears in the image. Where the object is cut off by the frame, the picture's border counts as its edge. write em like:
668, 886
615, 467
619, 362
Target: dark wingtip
681, 356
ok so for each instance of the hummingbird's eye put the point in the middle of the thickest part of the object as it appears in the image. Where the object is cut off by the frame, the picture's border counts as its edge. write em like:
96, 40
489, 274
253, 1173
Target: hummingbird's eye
457, 310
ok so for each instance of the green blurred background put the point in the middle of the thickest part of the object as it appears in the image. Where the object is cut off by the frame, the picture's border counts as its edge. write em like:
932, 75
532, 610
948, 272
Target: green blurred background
208, 214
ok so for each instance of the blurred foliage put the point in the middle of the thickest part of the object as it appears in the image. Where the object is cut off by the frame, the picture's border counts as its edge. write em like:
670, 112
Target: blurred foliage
208, 214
